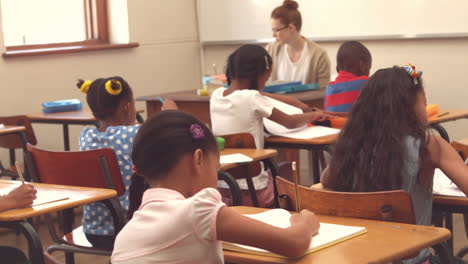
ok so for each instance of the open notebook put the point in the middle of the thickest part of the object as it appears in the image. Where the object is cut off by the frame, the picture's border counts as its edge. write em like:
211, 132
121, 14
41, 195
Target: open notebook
303, 132
329, 234
444, 186
42, 197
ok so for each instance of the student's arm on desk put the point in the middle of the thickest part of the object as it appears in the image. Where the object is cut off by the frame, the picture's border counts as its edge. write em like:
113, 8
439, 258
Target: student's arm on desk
291, 242
289, 100
20, 197
444, 156
293, 121
324, 177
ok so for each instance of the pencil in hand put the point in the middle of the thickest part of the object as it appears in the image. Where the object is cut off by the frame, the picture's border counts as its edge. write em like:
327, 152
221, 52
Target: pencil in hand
296, 179
20, 172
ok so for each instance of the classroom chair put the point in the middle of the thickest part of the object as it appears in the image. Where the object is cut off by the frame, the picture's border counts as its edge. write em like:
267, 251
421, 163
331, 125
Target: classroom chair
13, 142
246, 140
236, 193
93, 168
394, 206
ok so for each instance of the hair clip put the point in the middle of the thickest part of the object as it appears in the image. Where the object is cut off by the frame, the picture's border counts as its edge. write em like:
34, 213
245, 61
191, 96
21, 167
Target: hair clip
266, 63
197, 131
111, 90
135, 169
412, 72
85, 86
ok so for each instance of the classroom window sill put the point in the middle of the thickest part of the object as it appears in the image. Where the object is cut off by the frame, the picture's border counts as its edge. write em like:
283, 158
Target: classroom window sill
66, 49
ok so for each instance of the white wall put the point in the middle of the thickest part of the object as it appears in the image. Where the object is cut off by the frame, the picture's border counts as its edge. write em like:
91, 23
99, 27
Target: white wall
168, 59
444, 62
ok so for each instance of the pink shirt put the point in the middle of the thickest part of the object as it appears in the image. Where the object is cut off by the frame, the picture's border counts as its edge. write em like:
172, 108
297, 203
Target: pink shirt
169, 228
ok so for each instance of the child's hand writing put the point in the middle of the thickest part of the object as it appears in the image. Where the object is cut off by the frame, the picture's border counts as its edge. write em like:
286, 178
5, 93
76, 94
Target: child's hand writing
307, 221
20, 197
169, 105
319, 115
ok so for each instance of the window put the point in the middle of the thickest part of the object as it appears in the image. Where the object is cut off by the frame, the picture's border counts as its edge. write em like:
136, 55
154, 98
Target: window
55, 26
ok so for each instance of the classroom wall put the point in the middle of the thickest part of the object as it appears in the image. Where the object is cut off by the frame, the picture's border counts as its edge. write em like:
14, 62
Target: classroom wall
443, 61
168, 58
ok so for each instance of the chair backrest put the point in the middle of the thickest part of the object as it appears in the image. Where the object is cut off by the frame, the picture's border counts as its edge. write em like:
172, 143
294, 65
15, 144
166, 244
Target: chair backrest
461, 147
395, 206
14, 141
92, 168
242, 140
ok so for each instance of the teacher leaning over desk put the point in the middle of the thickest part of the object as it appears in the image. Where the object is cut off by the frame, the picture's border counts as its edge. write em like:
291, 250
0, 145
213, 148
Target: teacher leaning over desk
295, 58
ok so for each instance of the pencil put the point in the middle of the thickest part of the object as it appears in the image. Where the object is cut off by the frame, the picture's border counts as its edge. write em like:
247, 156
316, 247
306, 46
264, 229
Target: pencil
160, 99
20, 172
296, 179
443, 114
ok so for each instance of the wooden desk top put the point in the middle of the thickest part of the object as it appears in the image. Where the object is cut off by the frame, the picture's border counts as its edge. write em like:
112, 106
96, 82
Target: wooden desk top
76, 196
11, 129
255, 154
384, 242
312, 141
449, 200
451, 116
191, 96
85, 115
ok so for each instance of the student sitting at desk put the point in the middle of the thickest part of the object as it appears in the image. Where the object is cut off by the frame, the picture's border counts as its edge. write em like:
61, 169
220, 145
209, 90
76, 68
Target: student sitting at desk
353, 65
177, 215
385, 145
241, 107
111, 101
20, 197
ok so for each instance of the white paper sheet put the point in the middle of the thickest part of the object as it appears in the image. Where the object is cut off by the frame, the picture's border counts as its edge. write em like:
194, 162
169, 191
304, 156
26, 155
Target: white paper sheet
303, 132
275, 128
328, 234
42, 197
444, 186
234, 158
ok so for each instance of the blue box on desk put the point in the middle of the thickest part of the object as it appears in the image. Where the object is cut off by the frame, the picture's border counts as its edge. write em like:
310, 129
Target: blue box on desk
289, 87
62, 106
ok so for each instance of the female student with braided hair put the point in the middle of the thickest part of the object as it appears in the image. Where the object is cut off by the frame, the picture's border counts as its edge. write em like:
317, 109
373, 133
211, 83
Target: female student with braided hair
241, 107
112, 104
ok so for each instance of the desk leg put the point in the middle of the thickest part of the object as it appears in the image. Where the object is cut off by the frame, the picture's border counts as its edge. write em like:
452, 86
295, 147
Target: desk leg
36, 254
314, 157
449, 226
66, 137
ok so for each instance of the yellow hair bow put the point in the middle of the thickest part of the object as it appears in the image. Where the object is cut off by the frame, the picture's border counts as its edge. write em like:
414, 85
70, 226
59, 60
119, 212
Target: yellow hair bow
111, 90
85, 86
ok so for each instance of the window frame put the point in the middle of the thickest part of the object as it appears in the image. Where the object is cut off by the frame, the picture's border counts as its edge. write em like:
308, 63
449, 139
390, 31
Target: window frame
97, 34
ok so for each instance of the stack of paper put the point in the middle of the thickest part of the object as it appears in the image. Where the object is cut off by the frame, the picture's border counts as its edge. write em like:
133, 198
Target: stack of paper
444, 186
302, 132
329, 234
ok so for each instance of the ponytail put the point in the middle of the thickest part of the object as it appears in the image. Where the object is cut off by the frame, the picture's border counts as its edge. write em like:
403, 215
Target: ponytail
137, 187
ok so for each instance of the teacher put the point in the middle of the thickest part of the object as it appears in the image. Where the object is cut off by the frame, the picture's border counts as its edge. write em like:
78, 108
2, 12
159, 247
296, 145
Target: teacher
295, 58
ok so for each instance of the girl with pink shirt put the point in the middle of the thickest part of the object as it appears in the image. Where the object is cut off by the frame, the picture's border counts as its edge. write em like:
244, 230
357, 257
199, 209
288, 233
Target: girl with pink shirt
177, 215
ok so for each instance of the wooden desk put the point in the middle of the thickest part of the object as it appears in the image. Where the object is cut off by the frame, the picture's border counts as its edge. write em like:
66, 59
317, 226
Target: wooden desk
16, 219
255, 154
446, 116
199, 106
444, 207
384, 242
81, 117
315, 146
264, 155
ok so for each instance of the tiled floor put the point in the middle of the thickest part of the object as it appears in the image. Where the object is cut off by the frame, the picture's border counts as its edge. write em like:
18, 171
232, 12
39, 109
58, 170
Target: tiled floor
10, 238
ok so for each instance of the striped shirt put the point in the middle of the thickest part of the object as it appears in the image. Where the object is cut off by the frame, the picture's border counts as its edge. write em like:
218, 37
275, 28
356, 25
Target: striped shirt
343, 92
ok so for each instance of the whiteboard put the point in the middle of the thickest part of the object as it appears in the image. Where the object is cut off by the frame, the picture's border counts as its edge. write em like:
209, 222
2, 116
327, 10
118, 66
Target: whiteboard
249, 20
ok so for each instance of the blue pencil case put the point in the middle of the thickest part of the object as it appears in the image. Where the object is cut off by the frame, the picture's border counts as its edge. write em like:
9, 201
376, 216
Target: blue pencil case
62, 106
291, 88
